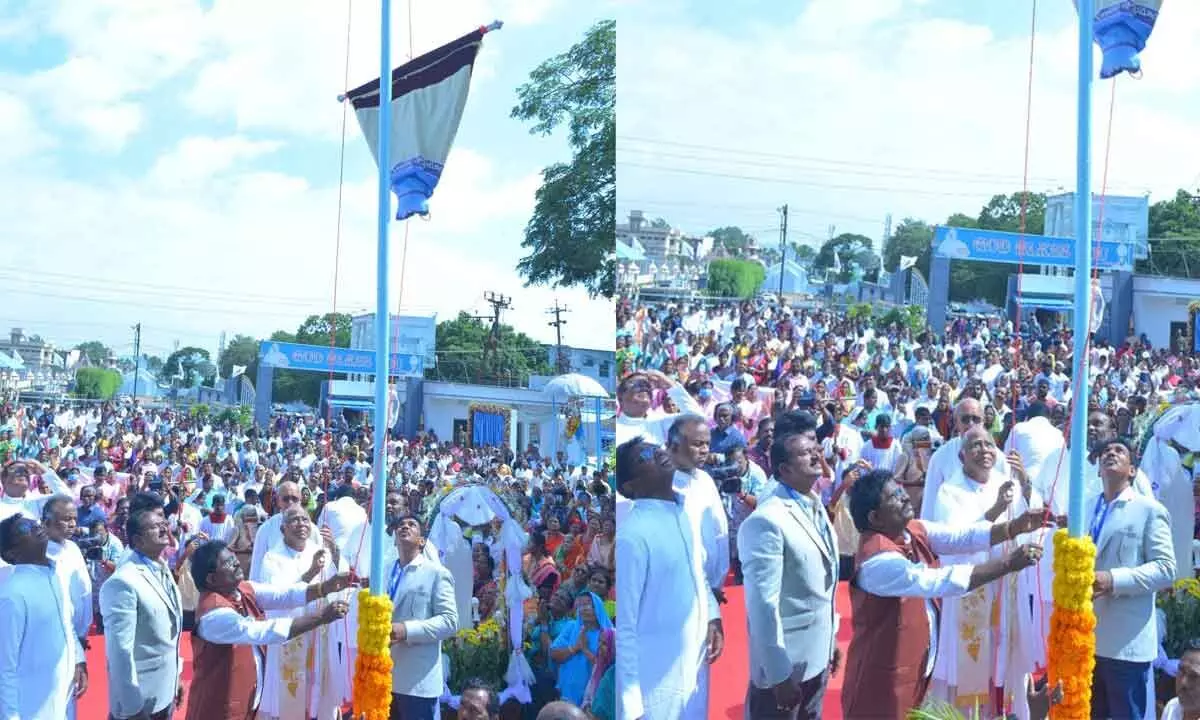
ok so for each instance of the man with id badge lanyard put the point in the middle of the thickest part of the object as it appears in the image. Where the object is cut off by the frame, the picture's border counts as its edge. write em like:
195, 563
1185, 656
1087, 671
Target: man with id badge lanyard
1135, 558
425, 613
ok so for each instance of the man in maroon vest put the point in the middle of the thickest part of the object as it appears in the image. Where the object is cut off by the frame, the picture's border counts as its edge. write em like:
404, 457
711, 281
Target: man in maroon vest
897, 589
231, 629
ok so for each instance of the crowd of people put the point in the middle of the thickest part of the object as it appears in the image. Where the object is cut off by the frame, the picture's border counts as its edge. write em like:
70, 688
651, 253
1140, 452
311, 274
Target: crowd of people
788, 449
134, 526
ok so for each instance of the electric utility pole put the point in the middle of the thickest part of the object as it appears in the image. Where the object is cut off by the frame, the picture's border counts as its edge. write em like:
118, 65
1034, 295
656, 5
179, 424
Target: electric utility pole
499, 304
783, 212
557, 323
137, 357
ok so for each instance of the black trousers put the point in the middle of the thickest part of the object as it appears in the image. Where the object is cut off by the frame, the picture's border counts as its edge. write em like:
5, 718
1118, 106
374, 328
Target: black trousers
762, 706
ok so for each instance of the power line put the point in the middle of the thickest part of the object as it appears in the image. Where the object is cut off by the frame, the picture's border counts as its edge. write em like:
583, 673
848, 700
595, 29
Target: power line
741, 152
802, 183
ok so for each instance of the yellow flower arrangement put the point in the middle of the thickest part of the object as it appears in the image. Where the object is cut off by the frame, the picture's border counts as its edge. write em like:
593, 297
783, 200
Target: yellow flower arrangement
1072, 646
373, 667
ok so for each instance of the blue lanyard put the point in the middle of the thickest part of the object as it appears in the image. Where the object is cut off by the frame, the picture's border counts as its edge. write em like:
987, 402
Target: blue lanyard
1099, 518
394, 584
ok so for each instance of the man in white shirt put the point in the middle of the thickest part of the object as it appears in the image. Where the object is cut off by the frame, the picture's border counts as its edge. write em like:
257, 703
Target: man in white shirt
897, 589
687, 441
58, 518
668, 620
14, 477
270, 535
1186, 703
945, 461
635, 395
42, 666
1035, 439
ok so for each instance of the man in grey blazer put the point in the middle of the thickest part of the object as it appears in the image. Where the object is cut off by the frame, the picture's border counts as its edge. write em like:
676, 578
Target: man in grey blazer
424, 614
790, 566
1135, 558
143, 617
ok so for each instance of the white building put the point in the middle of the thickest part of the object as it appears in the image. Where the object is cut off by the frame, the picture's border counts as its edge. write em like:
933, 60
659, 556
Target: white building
410, 334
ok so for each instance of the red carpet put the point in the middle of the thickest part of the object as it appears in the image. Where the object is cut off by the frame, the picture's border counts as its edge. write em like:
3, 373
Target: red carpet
727, 696
94, 704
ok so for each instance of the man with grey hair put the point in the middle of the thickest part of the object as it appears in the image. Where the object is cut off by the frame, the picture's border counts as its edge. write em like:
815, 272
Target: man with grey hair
270, 535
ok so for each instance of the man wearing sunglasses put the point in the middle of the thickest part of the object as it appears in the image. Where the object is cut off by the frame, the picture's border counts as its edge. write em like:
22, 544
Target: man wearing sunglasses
15, 478
42, 666
636, 395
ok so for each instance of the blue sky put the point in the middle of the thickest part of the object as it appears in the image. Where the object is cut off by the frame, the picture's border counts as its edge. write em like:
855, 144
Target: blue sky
170, 162
849, 111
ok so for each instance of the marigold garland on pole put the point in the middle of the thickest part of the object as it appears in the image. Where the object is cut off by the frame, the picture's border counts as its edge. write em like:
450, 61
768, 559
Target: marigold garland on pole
1072, 644
373, 667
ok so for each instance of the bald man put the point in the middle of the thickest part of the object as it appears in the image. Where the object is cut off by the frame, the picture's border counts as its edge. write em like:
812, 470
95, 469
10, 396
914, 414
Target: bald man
287, 495
968, 413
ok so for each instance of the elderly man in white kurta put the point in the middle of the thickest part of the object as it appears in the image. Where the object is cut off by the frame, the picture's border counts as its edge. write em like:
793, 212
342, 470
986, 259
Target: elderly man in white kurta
665, 607
308, 676
968, 413
969, 644
269, 537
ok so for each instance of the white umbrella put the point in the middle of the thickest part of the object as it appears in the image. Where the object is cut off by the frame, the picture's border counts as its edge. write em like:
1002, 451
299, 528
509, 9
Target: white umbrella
572, 385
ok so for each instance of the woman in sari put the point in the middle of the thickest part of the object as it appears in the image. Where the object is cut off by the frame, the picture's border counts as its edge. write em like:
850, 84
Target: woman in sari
540, 569
576, 650
600, 696
602, 551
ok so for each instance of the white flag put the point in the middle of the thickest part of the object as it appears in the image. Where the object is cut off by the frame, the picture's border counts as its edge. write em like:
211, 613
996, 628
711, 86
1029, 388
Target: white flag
906, 261
428, 97
238, 370
837, 262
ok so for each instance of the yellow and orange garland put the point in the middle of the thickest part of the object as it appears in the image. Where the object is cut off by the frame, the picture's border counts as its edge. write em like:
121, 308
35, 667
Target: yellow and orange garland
1072, 646
373, 667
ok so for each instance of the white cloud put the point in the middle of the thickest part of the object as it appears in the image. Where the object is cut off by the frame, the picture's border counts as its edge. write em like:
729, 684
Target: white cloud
21, 135
116, 50
197, 159
254, 251
921, 115
289, 78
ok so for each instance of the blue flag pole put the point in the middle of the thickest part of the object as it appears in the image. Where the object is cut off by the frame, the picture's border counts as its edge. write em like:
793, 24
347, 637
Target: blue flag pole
1083, 271
382, 356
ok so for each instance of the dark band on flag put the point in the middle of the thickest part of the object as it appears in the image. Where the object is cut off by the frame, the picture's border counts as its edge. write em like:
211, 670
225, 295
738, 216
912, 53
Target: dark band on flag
429, 69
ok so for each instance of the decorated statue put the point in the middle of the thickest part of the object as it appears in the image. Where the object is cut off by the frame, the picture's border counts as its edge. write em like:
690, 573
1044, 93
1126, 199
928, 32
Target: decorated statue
1170, 452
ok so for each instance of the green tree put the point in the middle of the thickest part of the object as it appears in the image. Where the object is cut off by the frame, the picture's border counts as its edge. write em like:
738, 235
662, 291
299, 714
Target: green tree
730, 277
316, 329
911, 237
192, 366
242, 350
803, 253
1179, 216
570, 235
97, 383
1174, 238
96, 351
732, 238
513, 358
154, 363
850, 248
